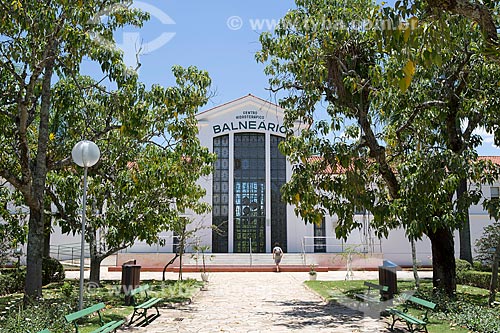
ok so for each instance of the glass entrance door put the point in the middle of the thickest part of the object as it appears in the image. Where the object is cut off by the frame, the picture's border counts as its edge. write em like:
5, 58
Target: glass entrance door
249, 193
249, 217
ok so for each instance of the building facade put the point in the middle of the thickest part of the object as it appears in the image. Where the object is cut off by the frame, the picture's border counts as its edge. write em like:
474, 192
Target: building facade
248, 214
244, 190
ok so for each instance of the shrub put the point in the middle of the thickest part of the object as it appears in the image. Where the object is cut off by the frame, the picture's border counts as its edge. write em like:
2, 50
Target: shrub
46, 314
476, 279
488, 241
462, 266
52, 271
12, 281
479, 266
67, 289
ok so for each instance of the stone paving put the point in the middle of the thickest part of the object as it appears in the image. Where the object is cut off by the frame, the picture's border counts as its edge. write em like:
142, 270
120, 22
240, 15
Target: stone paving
261, 302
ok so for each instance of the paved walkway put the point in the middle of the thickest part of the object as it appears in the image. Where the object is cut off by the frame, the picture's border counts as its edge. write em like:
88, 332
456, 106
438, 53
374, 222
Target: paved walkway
263, 302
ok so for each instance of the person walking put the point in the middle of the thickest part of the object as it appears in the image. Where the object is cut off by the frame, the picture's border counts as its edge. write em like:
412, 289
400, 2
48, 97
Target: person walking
277, 255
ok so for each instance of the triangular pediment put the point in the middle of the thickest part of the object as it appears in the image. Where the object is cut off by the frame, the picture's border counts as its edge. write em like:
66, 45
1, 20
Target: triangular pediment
240, 106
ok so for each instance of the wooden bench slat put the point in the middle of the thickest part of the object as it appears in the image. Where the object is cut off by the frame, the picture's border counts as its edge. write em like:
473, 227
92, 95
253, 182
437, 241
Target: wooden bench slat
84, 312
369, 296
407, 317
105, 328
422, 302
149, 303
141, 309
111, 326
139, 289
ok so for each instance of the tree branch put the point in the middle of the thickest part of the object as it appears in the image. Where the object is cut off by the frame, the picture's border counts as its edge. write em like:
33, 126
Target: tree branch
16, 182
55, 200
419, 108
474, 11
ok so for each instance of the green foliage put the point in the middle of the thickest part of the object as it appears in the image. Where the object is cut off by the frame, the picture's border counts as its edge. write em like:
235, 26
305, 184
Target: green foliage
462, 266
381, 142
43, 42
395, 142
68, 290
469, 309
478, 266
476, 318
476, 279
34, 318
52, 271
150, 155
13, 229
487, 243
12, 281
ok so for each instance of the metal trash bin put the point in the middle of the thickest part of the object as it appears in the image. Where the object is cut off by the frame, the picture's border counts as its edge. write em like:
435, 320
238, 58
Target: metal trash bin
131, 278
387, 276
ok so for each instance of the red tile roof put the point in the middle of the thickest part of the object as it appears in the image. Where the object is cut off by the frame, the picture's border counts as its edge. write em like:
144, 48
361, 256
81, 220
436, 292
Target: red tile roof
494, 159
338, 169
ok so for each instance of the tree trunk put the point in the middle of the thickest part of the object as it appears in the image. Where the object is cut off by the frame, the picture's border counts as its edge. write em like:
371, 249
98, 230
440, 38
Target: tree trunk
414, 260
181, 253
494, 275
168, 264
47, 229
95, 259
33, 284
465, 244
443, 261
95, 269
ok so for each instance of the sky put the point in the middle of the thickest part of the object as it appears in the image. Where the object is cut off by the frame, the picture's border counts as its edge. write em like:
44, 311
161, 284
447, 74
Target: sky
219, 36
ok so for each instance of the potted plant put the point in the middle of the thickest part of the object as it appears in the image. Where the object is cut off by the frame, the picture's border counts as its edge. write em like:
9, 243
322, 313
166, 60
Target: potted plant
202, 249
312, 273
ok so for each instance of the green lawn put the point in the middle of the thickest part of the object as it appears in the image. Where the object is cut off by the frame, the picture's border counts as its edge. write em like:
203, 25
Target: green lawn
63, 298
438, 321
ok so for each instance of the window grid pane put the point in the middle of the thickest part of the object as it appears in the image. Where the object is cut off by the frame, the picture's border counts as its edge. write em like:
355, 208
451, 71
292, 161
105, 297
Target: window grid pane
220, 195
278, 207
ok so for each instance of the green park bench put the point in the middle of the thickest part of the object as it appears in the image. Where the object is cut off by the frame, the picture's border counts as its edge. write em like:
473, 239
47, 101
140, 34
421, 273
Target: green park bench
142, 308
369, 296
104, 327
413, 324
45, 331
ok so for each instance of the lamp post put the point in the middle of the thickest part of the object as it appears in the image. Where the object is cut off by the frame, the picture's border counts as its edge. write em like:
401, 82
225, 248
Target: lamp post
85, 154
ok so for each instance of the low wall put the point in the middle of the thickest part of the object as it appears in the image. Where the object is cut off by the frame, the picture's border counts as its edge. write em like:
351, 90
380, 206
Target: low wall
333, 261
339, 261
147, 259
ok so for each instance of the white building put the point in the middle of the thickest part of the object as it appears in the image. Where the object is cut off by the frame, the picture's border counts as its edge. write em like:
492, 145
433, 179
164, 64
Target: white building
244, 192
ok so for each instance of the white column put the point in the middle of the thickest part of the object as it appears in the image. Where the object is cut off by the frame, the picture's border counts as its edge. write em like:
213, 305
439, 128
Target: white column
268, 192
230, 222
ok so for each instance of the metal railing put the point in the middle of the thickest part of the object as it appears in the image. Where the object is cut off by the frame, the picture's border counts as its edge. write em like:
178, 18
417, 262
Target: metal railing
309, 245
337, 247
167, 247
68, 252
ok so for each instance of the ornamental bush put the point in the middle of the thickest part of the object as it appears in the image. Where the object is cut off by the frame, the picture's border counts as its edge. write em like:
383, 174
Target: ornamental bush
52, 271
476, 279
12, 281
462, 266
487, 242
